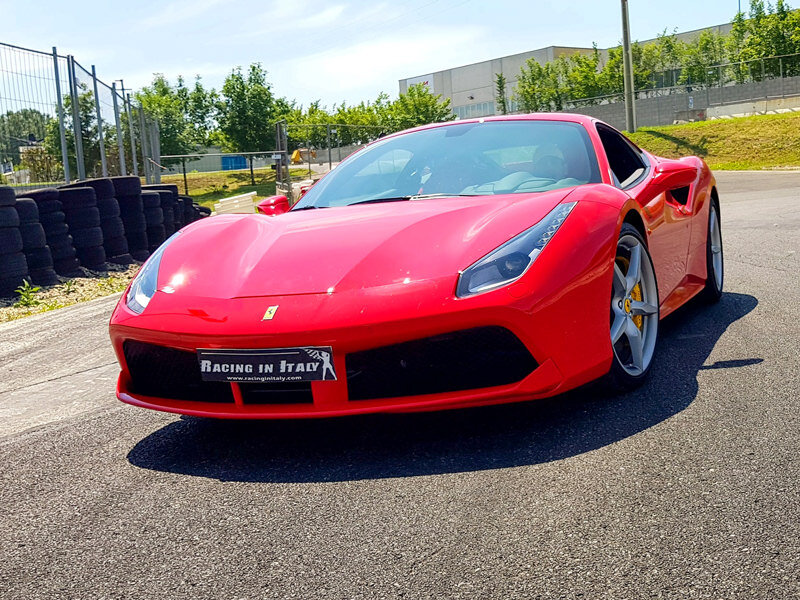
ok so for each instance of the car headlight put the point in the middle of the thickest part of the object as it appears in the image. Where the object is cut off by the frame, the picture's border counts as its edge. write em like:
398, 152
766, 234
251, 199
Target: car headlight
146, 281
510, 261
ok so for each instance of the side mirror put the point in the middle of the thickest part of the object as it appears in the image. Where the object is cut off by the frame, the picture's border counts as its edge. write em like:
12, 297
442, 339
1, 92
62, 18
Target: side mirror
673, 174
273, 206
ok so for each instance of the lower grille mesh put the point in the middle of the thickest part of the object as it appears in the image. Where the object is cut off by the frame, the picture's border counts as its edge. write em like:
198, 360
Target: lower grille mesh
462, 360
170, 373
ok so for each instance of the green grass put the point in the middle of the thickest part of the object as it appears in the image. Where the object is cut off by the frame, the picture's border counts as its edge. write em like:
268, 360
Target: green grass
759, 142
207, 188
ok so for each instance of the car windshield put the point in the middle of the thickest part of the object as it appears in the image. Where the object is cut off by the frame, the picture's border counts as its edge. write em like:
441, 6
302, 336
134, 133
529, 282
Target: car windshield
467, 159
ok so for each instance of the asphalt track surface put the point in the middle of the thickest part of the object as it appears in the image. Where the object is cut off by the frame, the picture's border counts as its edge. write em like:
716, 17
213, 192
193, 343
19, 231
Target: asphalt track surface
687, 488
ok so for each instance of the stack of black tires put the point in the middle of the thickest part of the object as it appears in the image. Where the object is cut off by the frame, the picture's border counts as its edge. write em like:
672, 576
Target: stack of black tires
56, 231
154, 217
34, 243
128, 192
13, 266
83, 219
115, 243
173, 212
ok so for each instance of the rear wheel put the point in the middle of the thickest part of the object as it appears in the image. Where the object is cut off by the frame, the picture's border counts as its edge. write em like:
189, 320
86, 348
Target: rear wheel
715, 267
634, 311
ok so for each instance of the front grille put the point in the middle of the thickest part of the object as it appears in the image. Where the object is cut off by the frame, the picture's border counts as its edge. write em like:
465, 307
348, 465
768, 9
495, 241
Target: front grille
462, 360
170, 373
277, 393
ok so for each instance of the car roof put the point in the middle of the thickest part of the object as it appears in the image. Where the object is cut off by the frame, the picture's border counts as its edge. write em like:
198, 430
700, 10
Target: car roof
584, 120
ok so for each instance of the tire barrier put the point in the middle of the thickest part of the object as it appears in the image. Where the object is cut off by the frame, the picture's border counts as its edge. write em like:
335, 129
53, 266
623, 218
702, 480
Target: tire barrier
83, 220
128, 192
34, 244
56, 230
170, 204
114, 242
13, 265
154, 217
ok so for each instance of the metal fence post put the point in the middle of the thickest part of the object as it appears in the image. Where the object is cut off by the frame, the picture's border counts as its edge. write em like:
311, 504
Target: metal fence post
155, 151
143, 134
120, 145
133, 135
76, 118
59, 103
103, 164
330, 158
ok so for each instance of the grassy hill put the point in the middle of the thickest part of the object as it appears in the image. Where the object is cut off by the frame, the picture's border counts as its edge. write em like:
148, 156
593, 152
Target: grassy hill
760, 142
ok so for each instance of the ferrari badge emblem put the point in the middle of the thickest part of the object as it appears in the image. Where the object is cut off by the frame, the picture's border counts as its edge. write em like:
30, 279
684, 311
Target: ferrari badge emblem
270, 313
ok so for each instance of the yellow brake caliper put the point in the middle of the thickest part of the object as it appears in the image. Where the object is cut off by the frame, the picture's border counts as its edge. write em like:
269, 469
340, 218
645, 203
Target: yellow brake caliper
636, 293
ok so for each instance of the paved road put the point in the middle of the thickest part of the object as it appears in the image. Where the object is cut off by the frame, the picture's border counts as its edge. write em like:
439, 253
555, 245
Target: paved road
688, 488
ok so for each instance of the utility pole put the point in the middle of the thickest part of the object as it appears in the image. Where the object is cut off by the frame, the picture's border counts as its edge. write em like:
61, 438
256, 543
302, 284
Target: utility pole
627, 63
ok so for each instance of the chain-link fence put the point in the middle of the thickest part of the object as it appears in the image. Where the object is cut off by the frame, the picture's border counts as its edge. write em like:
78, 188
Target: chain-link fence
59, 122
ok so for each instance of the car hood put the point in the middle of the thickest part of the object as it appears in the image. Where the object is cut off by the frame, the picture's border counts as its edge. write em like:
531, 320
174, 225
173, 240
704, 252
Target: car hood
338, 249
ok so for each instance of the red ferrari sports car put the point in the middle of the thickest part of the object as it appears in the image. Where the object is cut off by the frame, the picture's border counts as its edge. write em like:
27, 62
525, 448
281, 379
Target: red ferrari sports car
456, 264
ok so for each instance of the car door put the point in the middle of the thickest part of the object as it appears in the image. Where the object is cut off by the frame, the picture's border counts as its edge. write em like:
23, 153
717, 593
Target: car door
667, 222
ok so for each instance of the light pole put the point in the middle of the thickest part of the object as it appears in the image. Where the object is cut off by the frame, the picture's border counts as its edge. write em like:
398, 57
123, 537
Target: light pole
627, 76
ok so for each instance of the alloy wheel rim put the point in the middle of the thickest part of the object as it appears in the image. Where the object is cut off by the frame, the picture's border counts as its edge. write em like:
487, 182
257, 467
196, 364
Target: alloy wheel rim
634, 307
716, 247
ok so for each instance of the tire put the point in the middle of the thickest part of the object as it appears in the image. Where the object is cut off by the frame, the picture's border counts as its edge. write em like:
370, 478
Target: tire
93, 258
155, 237
51, 218
55, 229
634, 314
62, 253
122, 259
168, 187
108, 207
87, 238
115, 246
27, 211
82, 218
10, 241
13, 265
112, 228
32, 236
68, 267
8, 217
137, 240
130, 204
204, 211
44, 276
75, 198
126, 185
151, 199
49, 206
7, 196
140, 255
41, 195
715, 263
39, 258
135, 224
154, 216
103, 187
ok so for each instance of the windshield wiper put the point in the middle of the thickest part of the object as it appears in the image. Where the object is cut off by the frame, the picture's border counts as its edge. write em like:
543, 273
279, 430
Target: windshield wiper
414, 197
309, 207
376, 200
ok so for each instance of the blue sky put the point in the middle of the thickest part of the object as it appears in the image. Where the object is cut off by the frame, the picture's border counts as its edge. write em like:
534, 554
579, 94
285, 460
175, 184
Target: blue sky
330, 50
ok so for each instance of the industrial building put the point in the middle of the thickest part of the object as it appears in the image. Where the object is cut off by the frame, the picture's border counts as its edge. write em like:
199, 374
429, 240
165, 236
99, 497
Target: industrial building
471, 88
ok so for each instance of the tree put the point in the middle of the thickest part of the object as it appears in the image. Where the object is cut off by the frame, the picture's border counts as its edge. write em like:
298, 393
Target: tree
20, 128
90, 141
541, 87
168, 104
248, 111
500, 93
418, 106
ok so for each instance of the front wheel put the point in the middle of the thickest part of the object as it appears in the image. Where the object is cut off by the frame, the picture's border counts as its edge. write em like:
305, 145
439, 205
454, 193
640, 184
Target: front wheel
634, 311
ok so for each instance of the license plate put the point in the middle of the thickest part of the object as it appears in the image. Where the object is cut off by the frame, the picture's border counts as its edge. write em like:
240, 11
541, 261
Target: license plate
310, 363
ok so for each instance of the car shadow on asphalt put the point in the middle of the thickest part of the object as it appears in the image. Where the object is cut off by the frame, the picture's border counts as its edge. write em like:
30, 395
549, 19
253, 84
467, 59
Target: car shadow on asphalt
404, 445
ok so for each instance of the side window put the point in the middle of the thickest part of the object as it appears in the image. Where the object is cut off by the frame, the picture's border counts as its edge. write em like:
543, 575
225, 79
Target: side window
625, 162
